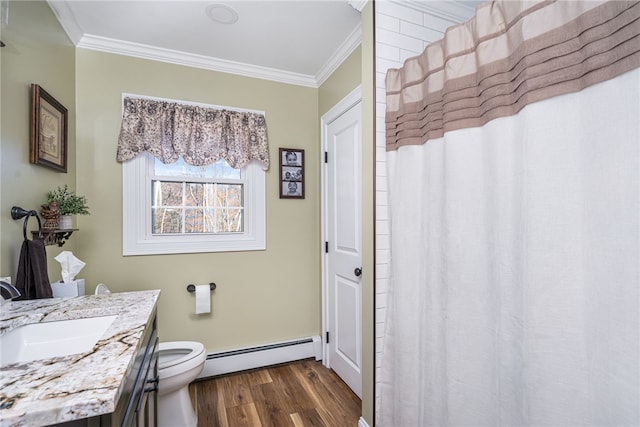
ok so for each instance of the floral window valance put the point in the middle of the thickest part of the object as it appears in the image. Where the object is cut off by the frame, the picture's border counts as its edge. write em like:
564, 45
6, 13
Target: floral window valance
200, 135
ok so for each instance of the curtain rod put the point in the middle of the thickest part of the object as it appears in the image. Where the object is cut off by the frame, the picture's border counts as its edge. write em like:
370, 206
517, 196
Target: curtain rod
194, 104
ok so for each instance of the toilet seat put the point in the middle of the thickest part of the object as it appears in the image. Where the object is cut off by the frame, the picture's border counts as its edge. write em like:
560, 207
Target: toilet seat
175, 353
179, 363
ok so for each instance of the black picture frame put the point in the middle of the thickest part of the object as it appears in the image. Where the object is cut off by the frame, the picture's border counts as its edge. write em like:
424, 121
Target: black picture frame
291, 173
48, 131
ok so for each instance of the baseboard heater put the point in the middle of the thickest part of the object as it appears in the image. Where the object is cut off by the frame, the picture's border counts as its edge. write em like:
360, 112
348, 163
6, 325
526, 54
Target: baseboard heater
264, 355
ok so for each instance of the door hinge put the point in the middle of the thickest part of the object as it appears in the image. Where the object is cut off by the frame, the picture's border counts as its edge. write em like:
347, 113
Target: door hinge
326, 157
327, 337
326, 247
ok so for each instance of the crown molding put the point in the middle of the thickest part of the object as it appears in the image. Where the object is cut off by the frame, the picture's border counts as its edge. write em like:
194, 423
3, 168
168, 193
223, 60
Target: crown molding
357, 4
344, 50
138, 50
449, 10
67, 20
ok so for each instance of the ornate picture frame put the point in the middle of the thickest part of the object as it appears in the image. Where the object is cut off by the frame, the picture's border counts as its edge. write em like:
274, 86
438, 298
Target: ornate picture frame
291, 173
48, 131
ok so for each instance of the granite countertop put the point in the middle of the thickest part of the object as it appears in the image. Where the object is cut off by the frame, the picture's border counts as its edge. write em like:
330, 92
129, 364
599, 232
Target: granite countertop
43, 392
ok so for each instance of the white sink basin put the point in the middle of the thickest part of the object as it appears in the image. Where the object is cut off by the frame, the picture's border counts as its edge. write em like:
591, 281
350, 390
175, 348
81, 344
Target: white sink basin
50, 339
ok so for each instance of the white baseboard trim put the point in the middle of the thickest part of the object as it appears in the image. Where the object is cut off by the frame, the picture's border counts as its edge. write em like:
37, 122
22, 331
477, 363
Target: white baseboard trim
362, 423
265, 355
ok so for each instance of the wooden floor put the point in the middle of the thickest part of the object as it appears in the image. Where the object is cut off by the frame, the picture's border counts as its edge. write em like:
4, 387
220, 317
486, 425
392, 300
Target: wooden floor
296, 394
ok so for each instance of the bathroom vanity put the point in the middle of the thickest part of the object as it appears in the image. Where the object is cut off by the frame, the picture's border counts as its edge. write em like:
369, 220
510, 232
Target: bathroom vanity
113, 383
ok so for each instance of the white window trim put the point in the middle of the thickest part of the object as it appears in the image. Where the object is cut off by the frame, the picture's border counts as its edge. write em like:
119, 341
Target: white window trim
137, 238
136, 217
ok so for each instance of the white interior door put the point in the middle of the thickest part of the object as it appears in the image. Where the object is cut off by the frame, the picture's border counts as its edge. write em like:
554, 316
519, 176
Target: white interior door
342, 136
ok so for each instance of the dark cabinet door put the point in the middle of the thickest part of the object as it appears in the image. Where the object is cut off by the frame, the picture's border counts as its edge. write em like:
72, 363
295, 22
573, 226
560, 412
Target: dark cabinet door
146, 413
142, 401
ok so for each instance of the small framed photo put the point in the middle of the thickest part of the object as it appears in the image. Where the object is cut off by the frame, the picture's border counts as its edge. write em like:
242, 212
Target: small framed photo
48, 144
291, 173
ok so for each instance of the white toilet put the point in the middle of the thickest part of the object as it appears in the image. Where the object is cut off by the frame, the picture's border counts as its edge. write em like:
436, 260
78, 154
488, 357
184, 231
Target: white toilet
179, 363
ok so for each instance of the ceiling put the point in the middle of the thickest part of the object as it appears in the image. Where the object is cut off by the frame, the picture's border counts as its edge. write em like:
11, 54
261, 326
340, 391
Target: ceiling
298, 42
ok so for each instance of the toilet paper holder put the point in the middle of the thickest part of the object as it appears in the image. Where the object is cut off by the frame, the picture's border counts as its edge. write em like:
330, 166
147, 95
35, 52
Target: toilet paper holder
192, 288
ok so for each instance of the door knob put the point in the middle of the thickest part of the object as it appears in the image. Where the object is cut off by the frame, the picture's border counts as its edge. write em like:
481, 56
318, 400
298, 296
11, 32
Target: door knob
358, 271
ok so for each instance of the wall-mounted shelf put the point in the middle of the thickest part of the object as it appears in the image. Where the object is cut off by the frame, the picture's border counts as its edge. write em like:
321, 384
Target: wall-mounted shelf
54, 237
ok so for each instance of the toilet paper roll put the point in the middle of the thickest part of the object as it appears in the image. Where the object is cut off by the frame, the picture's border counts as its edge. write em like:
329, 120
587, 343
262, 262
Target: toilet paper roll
203, 299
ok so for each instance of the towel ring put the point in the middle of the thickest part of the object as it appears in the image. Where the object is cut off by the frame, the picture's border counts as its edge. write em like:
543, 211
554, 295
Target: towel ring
17, 213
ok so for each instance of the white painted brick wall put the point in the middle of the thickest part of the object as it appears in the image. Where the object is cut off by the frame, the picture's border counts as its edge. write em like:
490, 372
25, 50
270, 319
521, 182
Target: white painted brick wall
392, 47
401, 32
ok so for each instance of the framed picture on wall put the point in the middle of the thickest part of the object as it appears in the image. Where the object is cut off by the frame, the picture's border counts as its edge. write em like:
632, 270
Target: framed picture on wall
291, 173
48, 131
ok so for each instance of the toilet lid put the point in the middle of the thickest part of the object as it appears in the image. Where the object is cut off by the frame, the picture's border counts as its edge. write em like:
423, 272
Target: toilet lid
176, 352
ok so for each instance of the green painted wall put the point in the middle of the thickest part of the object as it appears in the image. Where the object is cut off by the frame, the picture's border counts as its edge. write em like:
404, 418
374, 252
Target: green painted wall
343, 80
368, 214
262, 296
37, 51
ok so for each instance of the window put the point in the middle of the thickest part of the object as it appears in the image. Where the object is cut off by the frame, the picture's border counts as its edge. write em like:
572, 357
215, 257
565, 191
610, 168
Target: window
196, 199
179, 208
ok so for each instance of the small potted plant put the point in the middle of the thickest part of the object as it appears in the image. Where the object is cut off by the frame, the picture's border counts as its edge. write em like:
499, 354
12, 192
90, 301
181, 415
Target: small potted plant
70, 204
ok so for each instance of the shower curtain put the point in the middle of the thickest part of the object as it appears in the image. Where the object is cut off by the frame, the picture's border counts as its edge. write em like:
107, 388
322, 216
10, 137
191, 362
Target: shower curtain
514, 196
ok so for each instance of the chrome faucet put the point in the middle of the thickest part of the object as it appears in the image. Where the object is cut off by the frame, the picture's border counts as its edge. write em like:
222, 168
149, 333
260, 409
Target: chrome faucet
9, 290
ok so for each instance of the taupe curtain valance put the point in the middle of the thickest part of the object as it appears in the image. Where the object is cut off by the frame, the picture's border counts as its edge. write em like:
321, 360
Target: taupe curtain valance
201, 136
509, 55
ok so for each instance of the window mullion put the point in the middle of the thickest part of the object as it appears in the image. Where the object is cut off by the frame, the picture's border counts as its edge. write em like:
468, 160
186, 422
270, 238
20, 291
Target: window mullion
183, 209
